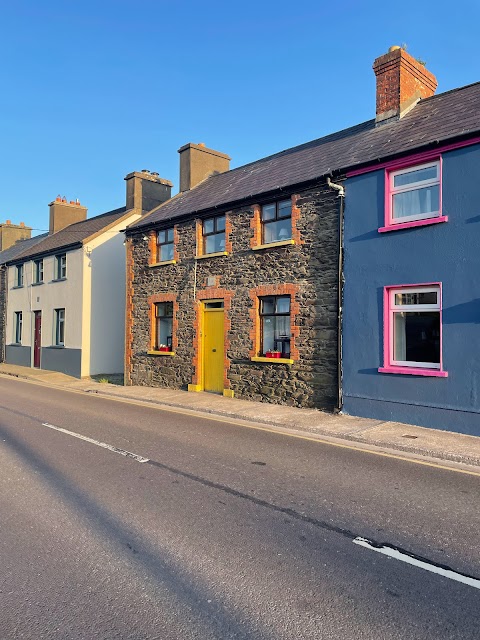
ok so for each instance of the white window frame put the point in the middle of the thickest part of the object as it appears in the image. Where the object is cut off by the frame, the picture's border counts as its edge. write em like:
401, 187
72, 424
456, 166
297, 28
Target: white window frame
413, 186
60, 266
58, 321
18, 327
395, 308
38, 271
19, 275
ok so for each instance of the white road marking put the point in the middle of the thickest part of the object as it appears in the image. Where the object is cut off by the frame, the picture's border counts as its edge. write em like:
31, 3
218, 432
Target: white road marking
398, 555
110, 447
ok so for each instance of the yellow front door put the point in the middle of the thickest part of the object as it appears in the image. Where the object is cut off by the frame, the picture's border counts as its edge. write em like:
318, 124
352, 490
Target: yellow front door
213, 347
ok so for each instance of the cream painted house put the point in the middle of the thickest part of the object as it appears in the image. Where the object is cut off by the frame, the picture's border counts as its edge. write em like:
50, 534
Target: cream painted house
65, 307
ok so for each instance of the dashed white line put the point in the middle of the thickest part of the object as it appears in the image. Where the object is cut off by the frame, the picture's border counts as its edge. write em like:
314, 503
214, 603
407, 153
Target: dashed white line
104, 445
421, 564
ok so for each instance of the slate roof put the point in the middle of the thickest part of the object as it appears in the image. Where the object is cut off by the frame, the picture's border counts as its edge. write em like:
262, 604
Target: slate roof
443, 117
19, 247
73, 235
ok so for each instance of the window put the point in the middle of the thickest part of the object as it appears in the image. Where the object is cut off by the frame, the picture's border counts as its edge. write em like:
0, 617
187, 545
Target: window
414, 193
38, 271
61, 266
19, 275
275, 325
165, 245
277, 221
18, 321
213, 232
413, 330
59, 327
163, 325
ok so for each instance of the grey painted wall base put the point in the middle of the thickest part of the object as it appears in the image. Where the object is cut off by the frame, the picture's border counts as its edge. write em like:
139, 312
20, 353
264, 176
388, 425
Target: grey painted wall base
67, 361
457, 420
16, 354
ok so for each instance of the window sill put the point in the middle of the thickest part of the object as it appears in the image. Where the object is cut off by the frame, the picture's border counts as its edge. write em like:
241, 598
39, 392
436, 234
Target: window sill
413, 223
55, 346
161, 264
59, 279
160, 353
15, 344
37, 284
271, 245
432, 373
18, 286
212, 255
272, 360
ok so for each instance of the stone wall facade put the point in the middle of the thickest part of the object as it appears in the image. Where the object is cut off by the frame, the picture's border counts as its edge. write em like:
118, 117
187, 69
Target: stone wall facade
306, 270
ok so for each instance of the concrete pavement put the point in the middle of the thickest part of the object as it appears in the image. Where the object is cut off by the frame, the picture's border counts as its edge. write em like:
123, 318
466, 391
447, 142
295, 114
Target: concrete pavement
431, 444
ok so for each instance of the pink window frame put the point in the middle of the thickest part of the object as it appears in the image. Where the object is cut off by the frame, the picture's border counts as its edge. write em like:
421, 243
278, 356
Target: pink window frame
390, 225
388, 367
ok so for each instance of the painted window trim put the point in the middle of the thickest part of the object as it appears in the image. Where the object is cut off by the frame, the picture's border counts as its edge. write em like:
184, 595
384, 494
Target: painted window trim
272, 245
412, 221
410, 225
272, 360
161, 264
152, 352
414, 370
216, 254
414, 158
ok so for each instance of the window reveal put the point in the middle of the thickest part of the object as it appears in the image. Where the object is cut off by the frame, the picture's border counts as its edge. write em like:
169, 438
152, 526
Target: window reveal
415, 193
59, 327
163, 325
277, 221
165, 241
213, 232
415, 327
275, 325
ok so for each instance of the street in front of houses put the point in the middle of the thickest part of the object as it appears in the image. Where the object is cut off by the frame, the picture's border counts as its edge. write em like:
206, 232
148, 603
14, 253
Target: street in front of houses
128, 521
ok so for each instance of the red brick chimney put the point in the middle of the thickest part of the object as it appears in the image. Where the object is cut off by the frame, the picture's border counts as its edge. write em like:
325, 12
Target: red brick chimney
401, 82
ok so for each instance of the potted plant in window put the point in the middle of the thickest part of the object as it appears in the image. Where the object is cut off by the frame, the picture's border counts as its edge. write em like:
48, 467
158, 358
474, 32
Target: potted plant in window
163, 347
273, 354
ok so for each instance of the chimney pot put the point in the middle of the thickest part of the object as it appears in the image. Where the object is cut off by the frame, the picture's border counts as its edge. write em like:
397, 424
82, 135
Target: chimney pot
9, 222
22, 224
394, 48
58, 199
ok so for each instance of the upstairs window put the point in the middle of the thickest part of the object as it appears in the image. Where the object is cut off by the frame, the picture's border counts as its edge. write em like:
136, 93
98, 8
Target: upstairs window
18, 322
59, 327
19, 275
275, 325
163, 325
165, 245
213, 235
414, 193
61, 266
38, 271
277, 221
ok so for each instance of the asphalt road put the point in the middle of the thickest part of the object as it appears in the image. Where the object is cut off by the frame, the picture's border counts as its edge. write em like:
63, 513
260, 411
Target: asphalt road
226, 531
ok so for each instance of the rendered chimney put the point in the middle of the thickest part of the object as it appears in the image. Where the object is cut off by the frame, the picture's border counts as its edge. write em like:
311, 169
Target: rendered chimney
401, 82
63, 213
146, 190
10, 234
197, 162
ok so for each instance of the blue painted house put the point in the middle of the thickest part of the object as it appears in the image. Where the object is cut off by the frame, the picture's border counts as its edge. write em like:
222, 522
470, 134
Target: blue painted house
411, 305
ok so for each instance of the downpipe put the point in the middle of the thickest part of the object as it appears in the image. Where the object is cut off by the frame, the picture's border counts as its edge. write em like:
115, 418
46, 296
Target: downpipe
341, 194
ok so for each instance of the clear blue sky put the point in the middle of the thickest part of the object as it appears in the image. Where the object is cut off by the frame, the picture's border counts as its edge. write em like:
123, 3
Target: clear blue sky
93, 90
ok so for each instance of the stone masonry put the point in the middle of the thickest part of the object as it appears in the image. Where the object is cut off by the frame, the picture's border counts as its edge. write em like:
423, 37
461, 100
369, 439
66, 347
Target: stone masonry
306, 270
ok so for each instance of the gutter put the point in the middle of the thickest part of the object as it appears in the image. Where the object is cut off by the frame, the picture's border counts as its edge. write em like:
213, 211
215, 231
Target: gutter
341, 194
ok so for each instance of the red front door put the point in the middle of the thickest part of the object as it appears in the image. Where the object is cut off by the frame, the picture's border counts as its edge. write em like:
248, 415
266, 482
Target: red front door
37, 339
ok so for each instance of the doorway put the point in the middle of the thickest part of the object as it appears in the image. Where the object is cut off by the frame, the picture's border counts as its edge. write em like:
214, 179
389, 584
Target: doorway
213, 345
37, 339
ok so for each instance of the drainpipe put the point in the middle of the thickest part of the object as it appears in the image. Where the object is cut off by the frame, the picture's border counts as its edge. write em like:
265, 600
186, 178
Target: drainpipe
341, 194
